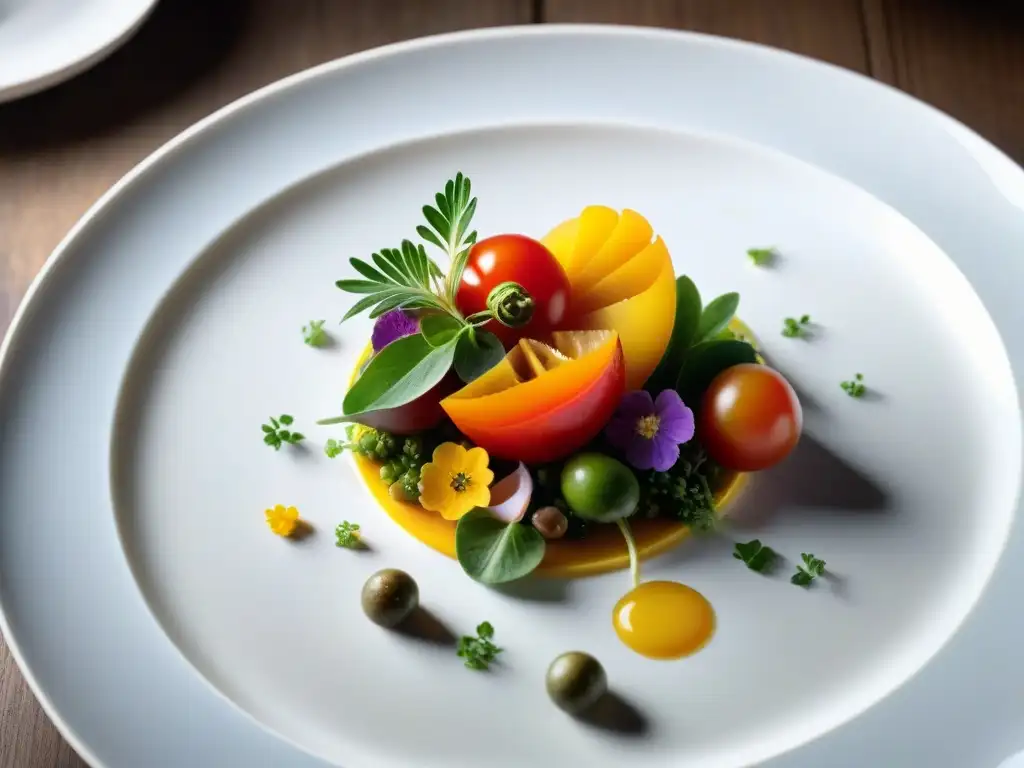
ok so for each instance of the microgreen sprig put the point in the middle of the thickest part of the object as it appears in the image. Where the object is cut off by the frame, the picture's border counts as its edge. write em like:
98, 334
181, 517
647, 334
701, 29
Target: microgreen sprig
478, 652
793, 328
275, 435
808, 570
314, 334
854, 387
347, 535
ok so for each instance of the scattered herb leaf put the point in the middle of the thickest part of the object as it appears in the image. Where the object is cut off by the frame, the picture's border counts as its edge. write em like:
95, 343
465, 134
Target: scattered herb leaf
314, 334
492, 551
398, 374
794, 328
688, 310
807, 570
761, 257
476, 352
716, 316
478, 652
854, 387
348, 536
275, 436
757, 556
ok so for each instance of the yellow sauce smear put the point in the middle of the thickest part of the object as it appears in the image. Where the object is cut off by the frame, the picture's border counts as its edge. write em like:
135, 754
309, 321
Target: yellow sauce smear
664, 620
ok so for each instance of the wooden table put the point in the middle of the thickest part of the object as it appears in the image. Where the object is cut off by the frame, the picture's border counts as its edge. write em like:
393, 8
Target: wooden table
61, 149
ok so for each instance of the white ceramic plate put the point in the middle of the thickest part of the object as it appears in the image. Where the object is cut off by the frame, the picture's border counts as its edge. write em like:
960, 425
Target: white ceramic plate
165, 329
44, 42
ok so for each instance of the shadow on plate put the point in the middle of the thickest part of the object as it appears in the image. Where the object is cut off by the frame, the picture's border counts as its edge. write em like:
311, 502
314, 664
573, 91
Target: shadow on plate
616, 715
426, 627
813, 477
536, 589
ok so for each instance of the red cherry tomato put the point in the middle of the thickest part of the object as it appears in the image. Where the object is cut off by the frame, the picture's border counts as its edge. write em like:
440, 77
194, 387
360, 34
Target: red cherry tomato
750, 418
517, 259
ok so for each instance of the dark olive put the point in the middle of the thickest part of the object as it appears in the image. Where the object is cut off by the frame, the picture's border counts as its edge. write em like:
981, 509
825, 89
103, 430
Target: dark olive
390, 596
550, 522
599, 488
575, 681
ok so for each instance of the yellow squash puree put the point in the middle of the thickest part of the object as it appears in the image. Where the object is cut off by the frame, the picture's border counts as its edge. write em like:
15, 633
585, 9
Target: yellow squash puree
664, 620
603, 550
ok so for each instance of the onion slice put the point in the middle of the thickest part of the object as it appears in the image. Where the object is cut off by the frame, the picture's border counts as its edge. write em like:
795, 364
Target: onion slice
511, 495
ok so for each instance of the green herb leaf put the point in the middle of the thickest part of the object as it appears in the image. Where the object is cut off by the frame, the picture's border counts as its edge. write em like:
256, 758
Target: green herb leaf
756, 556
688, 312
398, 374
705, 361
761, 257
334, 448
855, 387
439, 329
347, 535
478, 652
492, 551
792, 328
807, 570
314, 334
717, 315
275, 437
476, 352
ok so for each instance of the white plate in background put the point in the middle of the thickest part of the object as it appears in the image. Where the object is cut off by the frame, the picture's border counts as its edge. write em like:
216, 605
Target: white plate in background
44, 42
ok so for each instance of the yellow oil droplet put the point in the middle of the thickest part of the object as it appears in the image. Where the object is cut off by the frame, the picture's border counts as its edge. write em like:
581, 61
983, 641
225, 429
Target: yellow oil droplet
664, 620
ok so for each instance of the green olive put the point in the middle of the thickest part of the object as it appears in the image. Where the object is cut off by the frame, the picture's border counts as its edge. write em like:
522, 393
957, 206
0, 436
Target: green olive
390, 596
600, 488
575, 681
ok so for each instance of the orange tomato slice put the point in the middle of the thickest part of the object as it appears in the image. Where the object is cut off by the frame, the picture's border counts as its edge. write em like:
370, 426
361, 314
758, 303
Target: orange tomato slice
543, 402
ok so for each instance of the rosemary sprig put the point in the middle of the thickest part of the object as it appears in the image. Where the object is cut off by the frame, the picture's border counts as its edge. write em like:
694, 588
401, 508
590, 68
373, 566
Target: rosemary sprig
402, 279
449, 223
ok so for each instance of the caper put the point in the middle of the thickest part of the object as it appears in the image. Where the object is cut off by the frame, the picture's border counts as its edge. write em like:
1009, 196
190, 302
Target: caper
390, 596
575, 681
550, 522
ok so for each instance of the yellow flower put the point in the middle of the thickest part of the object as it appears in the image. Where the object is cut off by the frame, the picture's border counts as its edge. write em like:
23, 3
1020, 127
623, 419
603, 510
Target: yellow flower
455, 481
283, 520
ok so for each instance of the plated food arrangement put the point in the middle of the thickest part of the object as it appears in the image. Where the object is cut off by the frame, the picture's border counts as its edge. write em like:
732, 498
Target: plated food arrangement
564, 406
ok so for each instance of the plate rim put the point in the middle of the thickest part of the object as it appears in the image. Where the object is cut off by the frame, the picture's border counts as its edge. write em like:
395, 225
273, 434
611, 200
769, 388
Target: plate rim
166, 151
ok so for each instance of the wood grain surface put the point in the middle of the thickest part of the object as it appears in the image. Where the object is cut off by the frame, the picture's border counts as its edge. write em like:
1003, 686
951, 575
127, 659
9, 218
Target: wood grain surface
61, 149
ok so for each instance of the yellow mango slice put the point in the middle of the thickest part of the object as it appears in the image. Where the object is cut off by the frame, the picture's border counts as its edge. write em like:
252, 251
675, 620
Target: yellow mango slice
597, 222
644, 324
561, 241
632, 278
632, 234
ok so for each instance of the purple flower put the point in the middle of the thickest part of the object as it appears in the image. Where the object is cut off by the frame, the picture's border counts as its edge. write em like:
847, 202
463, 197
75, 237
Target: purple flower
649, 432
391, 326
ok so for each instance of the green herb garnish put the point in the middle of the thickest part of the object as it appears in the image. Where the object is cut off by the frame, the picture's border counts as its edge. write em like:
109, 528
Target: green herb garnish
334, 448
704, 361
404, 278
449, 223
275, 435
684, 492
761, 257
347, 535
757, 556
314, 334
855, 386
478, 652
716, 316
808, 570
793, 328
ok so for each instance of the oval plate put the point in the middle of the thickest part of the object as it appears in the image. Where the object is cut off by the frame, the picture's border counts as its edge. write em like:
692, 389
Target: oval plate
253, 208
